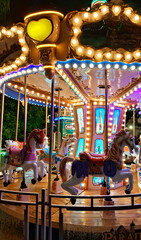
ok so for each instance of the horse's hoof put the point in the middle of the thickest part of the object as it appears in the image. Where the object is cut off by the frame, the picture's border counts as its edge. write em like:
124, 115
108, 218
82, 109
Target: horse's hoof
56, 179
23, 185
9, 182
33, 181
39, 178
53, 168
108, 199
127, 191
73, 200
5, 184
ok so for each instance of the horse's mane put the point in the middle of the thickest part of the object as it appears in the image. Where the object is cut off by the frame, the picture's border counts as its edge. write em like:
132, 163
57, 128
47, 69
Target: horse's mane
114, 152
32, 134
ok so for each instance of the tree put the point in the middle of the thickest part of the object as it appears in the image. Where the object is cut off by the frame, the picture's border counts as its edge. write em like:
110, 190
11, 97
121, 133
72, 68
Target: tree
4, 9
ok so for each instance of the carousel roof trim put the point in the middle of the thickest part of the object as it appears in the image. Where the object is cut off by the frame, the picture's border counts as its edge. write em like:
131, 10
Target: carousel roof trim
30, 69
44, 13
103, 64
109, 11
19, 61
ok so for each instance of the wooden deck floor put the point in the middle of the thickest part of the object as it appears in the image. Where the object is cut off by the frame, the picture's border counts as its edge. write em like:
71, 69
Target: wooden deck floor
77, 221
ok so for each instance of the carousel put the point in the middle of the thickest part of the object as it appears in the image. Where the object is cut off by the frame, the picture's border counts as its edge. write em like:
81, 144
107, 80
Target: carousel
88, 64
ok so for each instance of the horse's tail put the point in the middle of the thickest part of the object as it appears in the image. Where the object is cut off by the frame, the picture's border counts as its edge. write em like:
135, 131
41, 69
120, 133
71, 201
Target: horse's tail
63, 167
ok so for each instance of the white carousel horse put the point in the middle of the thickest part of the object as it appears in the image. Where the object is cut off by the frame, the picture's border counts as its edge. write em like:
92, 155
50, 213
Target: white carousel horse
110, 165
25, 158
57, 156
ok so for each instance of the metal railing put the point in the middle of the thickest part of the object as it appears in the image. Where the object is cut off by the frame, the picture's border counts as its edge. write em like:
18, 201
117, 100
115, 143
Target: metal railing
91, 207
27, 204
43, 203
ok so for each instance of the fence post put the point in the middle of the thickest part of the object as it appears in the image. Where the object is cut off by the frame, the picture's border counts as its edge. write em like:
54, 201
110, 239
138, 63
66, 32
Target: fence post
37, 218
50, 220
26, 223
43, 215
60, 224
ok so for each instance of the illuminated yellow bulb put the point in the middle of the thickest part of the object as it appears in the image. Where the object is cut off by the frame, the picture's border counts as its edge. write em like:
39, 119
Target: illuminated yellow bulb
15, 86
137, 54
20, 31
96, 15
14, 66
74, 42
9, 33
80, 50
21, 40
108, 55
132, 67
128, 56
89, 52
116, 66
124, 67
14, 29
29, 71
136, 17
76, 31
100, 66
86, 15
118, 56
22, 57
17, 61
76, 20
104, 9
116, 10
24, 49
127, 11
99, 55
3, 31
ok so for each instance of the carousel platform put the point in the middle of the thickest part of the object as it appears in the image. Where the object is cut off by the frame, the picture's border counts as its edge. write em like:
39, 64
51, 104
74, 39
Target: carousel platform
75, 224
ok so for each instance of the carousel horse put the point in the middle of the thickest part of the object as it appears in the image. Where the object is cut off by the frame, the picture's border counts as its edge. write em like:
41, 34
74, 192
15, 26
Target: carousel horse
57, 156
25, 157
94, 164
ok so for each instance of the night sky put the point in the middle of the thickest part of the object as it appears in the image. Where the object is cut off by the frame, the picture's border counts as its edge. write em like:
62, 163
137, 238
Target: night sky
20, 8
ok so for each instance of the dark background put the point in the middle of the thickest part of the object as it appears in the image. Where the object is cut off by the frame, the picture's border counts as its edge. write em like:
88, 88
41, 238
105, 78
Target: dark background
20, 8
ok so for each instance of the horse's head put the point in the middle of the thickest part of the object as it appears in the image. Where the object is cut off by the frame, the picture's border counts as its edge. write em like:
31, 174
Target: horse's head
130, 142
9, 143
126, 139
38, 135
66, 142
69, 141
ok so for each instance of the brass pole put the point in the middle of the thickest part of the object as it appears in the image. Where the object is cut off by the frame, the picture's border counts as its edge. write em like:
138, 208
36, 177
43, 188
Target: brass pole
18, 107
106, 114
1, 123
25, 110
51, 134
46, 117
58, 128
134, 133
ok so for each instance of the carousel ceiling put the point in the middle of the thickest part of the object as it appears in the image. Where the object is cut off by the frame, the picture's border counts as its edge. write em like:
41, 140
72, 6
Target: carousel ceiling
102, 42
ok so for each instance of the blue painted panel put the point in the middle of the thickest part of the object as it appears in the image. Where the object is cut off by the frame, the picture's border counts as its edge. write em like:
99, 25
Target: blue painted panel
80, 117
100, 117
99, 146
115, 120
80, 147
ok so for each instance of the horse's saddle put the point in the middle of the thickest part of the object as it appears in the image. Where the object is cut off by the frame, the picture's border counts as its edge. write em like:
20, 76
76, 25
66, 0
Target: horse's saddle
96, 161
17, 155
